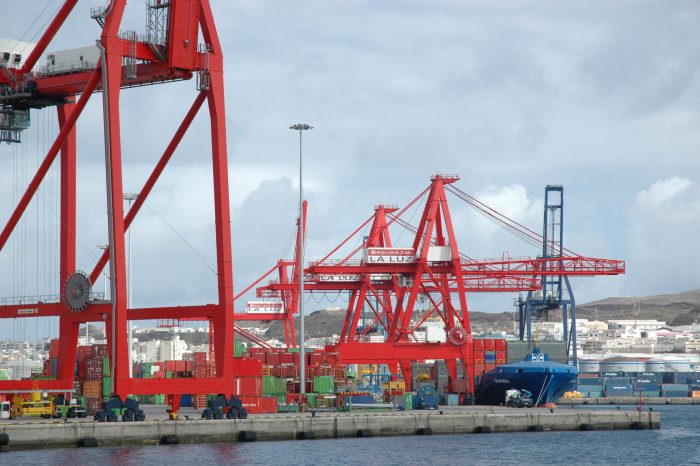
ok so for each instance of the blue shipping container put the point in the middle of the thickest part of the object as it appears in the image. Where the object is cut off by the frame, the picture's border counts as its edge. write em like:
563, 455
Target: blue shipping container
186, 401
674, 394
618, 392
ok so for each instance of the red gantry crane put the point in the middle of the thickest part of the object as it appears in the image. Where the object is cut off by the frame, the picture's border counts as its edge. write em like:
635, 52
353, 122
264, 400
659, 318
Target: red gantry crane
387, 281
173, 50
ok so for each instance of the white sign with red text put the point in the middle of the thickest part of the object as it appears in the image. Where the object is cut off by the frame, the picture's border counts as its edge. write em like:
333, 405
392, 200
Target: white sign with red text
261, 307
389, 256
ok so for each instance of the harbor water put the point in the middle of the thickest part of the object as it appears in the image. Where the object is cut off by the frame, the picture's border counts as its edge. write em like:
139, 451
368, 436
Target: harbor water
676, 443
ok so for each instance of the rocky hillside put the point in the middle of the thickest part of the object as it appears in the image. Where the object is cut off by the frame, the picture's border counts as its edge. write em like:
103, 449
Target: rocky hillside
675, 309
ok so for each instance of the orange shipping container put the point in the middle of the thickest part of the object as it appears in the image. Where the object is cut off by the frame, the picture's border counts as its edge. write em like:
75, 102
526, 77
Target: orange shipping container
695, 394
92, 389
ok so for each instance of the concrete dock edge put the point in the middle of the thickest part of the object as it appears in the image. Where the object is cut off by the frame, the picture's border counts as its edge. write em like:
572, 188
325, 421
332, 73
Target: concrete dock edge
31, 435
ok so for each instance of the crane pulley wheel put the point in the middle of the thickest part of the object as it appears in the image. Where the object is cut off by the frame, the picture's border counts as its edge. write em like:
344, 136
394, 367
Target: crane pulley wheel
76, 291
457, 335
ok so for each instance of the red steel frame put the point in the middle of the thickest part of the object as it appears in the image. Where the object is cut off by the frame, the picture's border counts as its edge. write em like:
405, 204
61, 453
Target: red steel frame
182, 59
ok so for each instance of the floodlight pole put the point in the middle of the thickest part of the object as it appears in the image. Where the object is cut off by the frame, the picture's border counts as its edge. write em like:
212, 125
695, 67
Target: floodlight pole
301, 127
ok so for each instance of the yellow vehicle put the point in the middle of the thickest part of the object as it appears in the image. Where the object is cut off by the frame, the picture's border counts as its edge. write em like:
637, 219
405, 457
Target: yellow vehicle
572, 395
42, 408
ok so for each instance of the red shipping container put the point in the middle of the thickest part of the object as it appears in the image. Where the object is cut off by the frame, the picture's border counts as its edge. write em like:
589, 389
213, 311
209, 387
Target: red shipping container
286, 358
170, 366
252, 404
269, 404
85, 352
500, 361
489, 366
333, 358
53, 348
100, 351
247, 386
247, 367
478, 344
273, 359
489, 345
501, 345
478, 368
478, 356
199, 401
316, 359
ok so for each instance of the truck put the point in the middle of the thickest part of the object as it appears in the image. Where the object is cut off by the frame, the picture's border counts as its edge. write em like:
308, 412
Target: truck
68, 408
42, 408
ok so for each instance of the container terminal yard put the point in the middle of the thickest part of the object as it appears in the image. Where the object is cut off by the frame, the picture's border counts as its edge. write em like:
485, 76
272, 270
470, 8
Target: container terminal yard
386, 373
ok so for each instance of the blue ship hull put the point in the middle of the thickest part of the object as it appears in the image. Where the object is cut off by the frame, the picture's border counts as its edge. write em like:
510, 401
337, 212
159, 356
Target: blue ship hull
546, 380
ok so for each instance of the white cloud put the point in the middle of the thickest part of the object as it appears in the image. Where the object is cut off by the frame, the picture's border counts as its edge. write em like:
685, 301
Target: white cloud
662, 191
663, 227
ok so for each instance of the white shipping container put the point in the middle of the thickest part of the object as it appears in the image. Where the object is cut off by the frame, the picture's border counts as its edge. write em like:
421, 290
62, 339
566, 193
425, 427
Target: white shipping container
82, 58
439, 253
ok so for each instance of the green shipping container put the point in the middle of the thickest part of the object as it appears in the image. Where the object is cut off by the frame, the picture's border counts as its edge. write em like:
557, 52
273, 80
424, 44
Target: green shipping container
168, 374
281, 399
312, 399
106, 386
105, 366
292, 350
280, 386
324, 384
408, 400
269, 385
238, 348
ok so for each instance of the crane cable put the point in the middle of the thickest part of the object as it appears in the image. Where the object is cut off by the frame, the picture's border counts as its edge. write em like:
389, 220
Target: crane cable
199, 255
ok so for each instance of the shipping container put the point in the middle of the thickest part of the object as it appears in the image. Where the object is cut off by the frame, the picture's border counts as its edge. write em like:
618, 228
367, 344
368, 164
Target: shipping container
247, 367
594, 381
238, 348
92, 388
269, 385
324, 384
53, 348
408, 400
247, 386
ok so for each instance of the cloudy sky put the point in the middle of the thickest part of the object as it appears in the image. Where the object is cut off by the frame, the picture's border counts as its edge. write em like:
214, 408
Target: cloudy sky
601, 97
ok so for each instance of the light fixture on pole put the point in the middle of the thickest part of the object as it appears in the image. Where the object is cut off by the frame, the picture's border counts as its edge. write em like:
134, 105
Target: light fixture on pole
301, 127
130, 197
